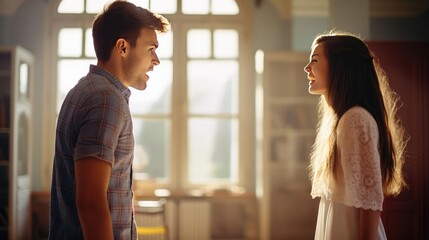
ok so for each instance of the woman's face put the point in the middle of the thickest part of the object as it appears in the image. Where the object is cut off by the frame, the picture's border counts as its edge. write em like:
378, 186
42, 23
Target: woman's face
318, 71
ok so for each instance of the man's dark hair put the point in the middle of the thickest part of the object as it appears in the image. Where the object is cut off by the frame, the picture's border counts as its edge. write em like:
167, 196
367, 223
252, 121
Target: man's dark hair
122, 19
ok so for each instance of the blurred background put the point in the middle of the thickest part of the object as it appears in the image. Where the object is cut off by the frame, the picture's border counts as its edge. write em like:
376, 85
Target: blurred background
224, 129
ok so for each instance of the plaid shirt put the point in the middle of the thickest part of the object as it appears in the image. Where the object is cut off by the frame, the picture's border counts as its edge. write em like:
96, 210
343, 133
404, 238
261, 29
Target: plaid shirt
94, 121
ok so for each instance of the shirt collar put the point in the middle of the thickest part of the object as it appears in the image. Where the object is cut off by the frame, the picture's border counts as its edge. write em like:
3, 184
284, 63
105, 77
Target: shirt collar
101, 71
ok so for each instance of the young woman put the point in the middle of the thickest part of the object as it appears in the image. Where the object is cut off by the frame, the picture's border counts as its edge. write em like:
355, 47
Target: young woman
357, 157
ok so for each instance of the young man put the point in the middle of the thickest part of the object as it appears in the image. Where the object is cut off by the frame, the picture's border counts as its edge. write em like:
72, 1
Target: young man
91, 191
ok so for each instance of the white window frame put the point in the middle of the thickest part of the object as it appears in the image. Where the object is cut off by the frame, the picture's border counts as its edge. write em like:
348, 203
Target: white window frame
178, 153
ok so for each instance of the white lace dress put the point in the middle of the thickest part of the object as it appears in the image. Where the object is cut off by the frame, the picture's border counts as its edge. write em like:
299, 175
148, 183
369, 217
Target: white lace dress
358, 183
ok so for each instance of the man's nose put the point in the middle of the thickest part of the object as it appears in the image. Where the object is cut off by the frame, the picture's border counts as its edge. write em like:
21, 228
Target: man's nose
156, 59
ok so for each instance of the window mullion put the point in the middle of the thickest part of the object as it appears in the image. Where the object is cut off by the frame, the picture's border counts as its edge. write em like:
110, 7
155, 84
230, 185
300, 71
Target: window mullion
179, 111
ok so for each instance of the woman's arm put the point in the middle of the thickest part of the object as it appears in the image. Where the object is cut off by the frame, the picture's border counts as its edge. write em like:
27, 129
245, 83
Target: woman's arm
368, 226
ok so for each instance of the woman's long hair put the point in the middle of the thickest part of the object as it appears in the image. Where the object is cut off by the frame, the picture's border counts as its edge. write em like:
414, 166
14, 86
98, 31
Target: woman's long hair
356, 79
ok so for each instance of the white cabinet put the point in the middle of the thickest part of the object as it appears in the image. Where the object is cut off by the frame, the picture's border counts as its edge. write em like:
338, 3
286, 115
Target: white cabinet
288, 117
16, 71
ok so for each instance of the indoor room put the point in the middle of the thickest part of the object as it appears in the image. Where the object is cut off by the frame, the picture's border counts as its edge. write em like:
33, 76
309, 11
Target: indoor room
224, 129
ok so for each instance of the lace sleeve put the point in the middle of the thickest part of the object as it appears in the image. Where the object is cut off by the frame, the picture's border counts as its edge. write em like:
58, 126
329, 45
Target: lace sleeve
360, 160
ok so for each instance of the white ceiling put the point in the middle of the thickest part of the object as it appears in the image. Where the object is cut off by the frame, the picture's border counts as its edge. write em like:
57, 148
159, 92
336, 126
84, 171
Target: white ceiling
378, 8
309, 8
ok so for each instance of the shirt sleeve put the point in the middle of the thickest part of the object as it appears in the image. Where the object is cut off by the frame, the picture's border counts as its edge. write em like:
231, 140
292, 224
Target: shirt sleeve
101, 120
357, 144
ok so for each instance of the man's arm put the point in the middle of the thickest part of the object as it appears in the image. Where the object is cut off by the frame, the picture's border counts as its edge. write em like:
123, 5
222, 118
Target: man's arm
92, 180
369, 220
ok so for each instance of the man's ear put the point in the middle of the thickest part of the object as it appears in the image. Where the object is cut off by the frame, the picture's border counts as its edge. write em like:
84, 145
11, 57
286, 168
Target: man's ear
121, 46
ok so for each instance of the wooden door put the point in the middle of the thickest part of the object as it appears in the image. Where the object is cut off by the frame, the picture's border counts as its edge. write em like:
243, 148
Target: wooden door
407, 66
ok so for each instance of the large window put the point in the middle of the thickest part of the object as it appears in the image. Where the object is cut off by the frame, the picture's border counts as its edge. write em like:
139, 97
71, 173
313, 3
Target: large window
188, 123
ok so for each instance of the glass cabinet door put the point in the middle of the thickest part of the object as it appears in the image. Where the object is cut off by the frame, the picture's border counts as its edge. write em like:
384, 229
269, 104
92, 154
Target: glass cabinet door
21, 139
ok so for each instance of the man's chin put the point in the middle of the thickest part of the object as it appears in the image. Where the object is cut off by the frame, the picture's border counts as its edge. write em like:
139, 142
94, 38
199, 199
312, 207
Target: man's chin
140, 87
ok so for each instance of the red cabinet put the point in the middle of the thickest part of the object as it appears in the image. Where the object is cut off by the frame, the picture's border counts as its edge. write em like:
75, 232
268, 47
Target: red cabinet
407, 66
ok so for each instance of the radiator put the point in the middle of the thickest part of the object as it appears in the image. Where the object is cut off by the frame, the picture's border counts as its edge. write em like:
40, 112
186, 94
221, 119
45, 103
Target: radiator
195, 220
190, 221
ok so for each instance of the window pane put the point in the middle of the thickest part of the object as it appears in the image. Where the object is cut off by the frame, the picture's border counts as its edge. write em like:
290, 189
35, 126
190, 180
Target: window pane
89, 43
225, 44
69, 73
23, 79
213, 155
199, 43
163, 6
141, 3
227, 7
195, 6
156, 98
95, 6
151, 150
165, 49
71, 6
212, 87
70, 42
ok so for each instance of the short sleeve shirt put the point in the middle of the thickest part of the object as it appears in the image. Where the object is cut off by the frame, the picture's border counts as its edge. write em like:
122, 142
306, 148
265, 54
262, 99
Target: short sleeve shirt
94, 121
358, 182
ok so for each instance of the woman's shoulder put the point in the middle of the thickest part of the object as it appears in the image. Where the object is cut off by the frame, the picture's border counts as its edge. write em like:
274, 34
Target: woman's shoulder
357, 111
356, 119
357, 115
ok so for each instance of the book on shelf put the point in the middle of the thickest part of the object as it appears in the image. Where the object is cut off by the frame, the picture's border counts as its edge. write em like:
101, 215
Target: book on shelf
4, 112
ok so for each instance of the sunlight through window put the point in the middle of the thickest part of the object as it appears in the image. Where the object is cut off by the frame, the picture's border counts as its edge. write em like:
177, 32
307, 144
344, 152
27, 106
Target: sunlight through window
70, 42
199, 43
163, 7
212, 151
195, 6
225, 43
95, 6
216, 7
195, 88
71, 6
225, 7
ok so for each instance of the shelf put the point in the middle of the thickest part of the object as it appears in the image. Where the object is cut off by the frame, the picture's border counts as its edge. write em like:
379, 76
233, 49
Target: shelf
292, 132
15, 142
4, 130
4, 73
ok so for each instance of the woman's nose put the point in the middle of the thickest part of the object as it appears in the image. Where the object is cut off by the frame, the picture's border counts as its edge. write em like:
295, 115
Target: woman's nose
307, 68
